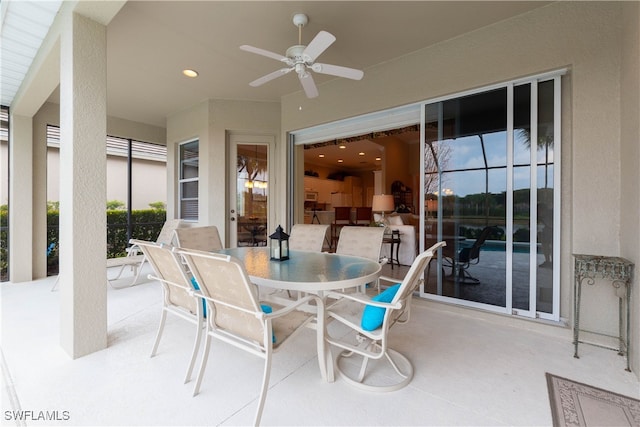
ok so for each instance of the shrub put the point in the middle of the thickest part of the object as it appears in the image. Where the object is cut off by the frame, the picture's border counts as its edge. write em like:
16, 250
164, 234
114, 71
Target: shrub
115, 204
146, 225
3, 243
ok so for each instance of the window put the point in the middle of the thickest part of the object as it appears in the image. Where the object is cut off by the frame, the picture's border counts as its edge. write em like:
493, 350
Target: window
188, 180
491, 170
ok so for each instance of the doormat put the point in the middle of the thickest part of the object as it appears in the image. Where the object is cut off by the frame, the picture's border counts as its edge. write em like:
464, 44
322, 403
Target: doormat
577, 405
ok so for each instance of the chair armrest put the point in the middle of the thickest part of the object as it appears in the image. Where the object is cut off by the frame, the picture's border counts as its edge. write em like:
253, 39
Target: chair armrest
390, 279
294, 306
133, 250
364, 300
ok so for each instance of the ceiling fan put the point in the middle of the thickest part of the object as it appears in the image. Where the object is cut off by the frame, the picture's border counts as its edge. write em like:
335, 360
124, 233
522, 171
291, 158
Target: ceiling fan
301, 59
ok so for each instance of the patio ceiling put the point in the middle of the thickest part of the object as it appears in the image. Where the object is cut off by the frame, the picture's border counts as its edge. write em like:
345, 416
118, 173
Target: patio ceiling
23, 26
151, 42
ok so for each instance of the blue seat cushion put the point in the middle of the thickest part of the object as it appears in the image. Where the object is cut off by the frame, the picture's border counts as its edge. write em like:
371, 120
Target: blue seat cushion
372, 317
267, 309
194, 282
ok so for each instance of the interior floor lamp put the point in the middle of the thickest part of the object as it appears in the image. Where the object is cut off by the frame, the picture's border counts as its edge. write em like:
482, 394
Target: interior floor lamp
383, 203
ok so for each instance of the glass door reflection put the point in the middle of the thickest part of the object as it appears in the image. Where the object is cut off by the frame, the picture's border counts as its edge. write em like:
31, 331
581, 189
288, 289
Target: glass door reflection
252, 182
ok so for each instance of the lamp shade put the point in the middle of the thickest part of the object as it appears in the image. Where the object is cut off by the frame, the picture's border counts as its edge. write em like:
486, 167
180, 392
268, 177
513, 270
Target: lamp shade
382, 203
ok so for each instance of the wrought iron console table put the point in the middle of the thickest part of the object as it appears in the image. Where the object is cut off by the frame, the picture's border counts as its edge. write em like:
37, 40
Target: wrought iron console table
620, 272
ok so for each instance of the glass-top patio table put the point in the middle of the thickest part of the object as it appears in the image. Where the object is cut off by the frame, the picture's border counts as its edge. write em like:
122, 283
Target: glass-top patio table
311, 272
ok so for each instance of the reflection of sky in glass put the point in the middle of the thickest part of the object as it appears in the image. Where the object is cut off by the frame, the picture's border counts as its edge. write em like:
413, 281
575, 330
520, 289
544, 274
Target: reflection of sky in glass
548, 183
521, 177
495, 144
474, 182
466, 153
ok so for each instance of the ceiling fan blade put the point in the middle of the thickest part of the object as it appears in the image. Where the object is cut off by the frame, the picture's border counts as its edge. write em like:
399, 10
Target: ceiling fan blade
308, 85
271, 76
263, 52
319, 44
336, 70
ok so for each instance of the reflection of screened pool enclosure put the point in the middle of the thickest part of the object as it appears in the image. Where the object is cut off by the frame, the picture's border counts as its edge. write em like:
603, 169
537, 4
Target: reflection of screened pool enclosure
483, 155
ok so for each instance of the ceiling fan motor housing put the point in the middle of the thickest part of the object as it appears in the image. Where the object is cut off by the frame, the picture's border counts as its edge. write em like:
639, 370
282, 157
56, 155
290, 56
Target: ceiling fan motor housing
295, 53
300, 19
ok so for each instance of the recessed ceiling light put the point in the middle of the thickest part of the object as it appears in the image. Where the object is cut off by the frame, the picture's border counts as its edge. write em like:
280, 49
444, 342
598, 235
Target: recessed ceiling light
321, 155
342, 147
378, 158
340, 160
361, 153
190, 73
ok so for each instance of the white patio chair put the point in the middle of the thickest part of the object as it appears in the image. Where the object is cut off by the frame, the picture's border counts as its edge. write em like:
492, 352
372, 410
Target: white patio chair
235, 316
364, 242
177, 293
135, 259
372, 326
204, 238
308, 237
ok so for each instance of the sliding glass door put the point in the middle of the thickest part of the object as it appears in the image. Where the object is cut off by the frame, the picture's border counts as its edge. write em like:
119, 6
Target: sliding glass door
490, 168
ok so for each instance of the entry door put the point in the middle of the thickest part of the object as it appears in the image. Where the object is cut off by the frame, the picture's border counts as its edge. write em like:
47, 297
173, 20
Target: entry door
249, 190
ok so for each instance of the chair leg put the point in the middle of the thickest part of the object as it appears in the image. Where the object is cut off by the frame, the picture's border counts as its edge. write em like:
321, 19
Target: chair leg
194, 352
163, 317
465, 278
363, 369
203, 363
122, 267
55, 284
264, 388
400, 364
138, 270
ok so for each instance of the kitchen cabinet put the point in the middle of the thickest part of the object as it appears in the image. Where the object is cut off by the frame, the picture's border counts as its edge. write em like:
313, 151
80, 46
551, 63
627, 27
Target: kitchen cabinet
324, 187
353, 186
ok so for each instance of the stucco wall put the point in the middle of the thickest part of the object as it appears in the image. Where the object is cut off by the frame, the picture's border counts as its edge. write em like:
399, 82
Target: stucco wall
210, 122
630, 159
584, 37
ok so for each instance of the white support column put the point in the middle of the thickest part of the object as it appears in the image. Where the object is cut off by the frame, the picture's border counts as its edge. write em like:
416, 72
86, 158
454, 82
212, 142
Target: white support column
21, 199
83, 121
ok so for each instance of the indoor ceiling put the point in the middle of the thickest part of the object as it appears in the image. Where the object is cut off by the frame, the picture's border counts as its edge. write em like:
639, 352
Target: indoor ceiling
355, 156
149, 43
359, 155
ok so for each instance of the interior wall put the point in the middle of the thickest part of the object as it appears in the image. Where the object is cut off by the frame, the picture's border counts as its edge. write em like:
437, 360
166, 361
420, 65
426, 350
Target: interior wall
396, 163
583, 37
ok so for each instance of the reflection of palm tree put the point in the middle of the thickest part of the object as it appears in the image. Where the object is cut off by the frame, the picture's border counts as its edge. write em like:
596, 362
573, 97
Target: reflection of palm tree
545, 142
253, 166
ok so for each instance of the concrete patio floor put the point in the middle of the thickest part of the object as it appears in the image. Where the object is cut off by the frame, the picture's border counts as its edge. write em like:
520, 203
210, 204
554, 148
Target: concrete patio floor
471, 368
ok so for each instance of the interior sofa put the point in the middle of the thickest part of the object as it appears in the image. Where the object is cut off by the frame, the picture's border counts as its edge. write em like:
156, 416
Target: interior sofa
408, 241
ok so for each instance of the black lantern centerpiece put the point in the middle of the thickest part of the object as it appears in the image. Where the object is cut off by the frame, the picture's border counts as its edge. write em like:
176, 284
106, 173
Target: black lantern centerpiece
279, 245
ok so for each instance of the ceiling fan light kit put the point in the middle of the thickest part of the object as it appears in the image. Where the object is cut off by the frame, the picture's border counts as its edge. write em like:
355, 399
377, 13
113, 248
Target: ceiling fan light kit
301, 59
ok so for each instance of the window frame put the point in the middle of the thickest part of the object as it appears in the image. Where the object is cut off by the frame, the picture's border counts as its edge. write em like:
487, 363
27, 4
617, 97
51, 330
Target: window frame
181, 181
